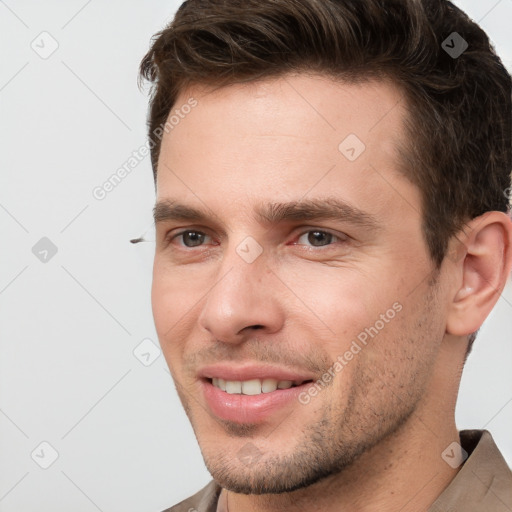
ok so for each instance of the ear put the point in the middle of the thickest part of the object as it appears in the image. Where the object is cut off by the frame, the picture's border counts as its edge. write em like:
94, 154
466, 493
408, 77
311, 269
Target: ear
483, 264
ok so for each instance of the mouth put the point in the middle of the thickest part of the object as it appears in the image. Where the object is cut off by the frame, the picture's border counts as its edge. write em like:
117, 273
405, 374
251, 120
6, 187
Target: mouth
254, 387
251, 394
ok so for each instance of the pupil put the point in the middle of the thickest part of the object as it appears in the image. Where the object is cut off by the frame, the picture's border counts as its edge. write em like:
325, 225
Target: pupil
194, 237
317, 237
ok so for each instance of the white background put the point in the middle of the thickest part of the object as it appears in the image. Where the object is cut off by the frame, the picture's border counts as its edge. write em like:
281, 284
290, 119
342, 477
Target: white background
69, 326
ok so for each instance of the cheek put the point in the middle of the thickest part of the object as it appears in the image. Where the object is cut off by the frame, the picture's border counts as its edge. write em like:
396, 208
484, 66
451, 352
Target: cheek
173, 293
340, 302
161, 303
173, 307
397, 361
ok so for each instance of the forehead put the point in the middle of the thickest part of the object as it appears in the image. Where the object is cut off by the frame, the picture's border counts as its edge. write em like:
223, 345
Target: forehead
286, 137
323, 105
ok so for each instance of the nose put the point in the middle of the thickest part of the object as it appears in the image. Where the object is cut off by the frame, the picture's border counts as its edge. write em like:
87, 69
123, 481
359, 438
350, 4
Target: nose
243, 300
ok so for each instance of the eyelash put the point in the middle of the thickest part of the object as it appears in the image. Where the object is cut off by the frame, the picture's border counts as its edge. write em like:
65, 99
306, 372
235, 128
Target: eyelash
343, 238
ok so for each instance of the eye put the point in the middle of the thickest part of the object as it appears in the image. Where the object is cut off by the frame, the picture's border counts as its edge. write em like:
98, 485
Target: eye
190, 238
318, 238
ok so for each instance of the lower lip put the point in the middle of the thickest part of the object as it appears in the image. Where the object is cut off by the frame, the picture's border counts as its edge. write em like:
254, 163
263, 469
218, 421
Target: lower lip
249, 408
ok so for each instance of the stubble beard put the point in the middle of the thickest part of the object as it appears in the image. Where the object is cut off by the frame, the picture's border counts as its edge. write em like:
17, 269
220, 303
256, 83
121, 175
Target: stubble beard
325, 449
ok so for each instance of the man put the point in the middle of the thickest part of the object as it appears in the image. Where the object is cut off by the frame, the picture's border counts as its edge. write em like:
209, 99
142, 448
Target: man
332, 230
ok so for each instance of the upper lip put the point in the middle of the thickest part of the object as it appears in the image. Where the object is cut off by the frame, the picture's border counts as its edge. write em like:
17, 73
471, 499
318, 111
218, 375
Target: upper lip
234, 372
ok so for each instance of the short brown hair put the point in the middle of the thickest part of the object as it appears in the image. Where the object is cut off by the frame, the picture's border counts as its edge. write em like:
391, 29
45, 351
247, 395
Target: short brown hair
458, 150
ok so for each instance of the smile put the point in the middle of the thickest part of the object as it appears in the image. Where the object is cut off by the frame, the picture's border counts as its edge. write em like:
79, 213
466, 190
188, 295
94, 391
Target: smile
254, 386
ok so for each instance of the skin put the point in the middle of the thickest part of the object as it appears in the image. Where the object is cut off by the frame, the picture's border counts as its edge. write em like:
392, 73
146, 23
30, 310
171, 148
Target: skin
359, 445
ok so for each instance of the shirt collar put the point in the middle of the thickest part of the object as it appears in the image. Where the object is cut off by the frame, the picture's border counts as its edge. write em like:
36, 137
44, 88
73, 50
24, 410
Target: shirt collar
484, 483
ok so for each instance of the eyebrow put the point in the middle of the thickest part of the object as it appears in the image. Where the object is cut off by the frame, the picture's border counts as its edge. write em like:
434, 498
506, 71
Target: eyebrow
273, 213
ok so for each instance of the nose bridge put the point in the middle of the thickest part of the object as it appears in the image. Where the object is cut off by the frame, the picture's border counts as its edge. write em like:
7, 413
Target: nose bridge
241, 296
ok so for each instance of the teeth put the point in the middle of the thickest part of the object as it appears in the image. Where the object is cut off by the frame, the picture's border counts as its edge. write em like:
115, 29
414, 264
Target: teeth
268, 385
233, 387
254, 386
251, 387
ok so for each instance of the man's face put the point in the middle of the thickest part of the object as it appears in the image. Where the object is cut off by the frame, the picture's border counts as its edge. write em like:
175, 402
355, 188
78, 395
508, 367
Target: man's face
264, 288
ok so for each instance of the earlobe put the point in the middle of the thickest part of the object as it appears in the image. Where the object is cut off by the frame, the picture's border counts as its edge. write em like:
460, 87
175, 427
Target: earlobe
485, 249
